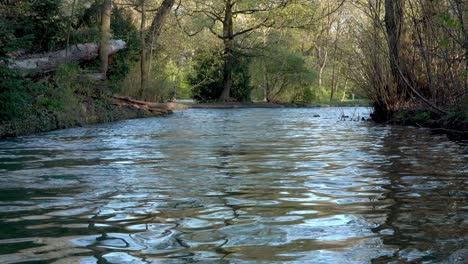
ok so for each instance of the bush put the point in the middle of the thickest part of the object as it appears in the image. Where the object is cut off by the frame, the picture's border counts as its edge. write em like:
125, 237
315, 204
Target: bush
207, 76
123, 28
207, 81
160, 85
422, 117
287, 74
16, 95
456, 119
308, 95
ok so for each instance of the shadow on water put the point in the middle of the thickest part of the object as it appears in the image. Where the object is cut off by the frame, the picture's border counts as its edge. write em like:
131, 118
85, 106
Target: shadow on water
233, 186
428, 186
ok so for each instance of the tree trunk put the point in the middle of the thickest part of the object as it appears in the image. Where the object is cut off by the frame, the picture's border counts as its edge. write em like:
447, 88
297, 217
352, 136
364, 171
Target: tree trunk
264, 68
322, 68
105, 35
156, 26
322, 52
462, 7
266, 89
48, 62
345, 89
228, 35
227, 74
158, 21
394, 15
70, 27
143, 72
334, 82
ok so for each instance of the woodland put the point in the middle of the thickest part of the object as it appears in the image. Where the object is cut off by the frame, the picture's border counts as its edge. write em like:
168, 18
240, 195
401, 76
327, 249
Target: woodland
408, 59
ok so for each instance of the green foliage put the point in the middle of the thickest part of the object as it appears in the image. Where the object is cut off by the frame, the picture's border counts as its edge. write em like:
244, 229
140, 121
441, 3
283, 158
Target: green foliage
66, 84
308, 95
86, 22
16, 95
63, 99
85, 35
119, 68
48, 25
286, 73
444, 43
9, 40
449, 21
36, 25
241, 88
422, 117
161, 87
456, 118
206, 77
123, 28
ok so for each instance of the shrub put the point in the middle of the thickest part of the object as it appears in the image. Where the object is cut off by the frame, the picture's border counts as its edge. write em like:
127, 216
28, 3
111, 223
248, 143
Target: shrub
422, 117
206, 77
16, 95
456, 119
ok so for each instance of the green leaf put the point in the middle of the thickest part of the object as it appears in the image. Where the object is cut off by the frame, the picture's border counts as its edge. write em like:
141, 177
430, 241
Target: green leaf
444, 43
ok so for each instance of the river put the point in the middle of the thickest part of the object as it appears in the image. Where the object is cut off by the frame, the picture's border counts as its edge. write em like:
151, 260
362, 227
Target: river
234, 186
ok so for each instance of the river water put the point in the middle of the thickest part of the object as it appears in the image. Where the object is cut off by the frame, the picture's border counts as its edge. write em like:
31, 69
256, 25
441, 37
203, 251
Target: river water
234, 186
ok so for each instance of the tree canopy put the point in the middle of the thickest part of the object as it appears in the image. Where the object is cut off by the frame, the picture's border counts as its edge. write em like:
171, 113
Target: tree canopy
398, 54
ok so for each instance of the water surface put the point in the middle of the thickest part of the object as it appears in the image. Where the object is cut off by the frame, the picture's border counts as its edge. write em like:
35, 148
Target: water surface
234, 186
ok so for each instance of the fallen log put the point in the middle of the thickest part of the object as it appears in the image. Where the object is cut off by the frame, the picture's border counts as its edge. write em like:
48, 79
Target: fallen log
48, 62
151, 105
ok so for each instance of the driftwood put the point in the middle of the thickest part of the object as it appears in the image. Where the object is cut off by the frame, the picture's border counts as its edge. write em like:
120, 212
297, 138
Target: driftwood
157, 108
48, 62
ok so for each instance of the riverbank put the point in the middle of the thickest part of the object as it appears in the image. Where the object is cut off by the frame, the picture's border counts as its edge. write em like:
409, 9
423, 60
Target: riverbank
90, 110
100, 108
454, 124
228, 105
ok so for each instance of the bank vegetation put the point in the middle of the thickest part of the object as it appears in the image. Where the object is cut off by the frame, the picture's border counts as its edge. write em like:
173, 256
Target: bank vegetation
61, 58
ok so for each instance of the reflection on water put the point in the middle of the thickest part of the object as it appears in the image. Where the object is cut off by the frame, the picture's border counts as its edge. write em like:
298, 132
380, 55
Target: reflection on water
233, 186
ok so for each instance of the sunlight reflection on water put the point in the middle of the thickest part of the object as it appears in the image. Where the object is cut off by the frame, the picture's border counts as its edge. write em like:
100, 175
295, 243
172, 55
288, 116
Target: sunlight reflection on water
233, 186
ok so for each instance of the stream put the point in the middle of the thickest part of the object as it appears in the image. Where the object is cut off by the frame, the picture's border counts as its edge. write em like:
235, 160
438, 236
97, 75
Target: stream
234, 186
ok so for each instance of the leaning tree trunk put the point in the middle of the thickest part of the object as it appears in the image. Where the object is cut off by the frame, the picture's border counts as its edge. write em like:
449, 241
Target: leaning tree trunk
228, 36
145, 38
158, 21
105, 35
156, 26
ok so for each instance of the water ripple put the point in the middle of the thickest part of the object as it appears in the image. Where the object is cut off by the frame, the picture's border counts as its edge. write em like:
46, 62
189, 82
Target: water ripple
233, 186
